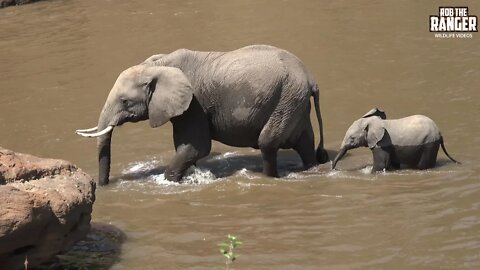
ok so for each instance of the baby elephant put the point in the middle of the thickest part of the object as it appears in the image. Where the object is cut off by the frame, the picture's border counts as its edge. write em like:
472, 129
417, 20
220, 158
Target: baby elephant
411, 141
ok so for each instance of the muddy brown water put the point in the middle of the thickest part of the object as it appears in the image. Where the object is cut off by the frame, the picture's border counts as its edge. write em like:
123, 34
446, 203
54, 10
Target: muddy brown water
59, 59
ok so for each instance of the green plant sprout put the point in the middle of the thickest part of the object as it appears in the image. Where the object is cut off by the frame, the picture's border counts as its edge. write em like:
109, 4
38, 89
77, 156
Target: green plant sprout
227, 248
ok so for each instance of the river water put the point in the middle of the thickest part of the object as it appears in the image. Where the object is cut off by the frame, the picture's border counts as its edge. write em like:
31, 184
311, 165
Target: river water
59, 59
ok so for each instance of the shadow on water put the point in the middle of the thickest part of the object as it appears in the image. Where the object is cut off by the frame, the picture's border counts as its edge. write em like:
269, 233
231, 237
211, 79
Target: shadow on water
223, 165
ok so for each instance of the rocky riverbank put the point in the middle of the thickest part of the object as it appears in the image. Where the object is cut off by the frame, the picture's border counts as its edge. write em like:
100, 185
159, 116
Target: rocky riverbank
45, 208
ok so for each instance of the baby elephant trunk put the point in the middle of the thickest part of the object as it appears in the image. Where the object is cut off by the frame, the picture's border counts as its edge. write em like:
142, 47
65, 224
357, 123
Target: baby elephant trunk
339, 156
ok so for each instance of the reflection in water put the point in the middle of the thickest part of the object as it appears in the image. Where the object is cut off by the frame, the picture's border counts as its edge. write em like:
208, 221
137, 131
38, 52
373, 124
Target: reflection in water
59, 59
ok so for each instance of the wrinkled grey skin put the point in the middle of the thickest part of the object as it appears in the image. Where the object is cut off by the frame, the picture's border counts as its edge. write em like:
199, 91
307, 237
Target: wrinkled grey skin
256, 96
412, 141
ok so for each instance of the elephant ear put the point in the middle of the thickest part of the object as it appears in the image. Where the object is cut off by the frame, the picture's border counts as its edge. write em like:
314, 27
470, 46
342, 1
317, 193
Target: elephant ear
170, 95
374, 132
153, 59
375, 112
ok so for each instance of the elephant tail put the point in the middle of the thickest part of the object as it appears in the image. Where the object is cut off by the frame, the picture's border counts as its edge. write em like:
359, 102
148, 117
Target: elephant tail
322, 155
446, 153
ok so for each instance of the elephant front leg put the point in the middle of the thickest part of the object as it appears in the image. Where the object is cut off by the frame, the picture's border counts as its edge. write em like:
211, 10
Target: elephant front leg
191, 137
269, 162
381, 159
186, 156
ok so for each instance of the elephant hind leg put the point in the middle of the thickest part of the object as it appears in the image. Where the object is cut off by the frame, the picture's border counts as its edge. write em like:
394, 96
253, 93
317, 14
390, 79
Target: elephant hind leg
305, 148
428, 159
286, 123
269, 142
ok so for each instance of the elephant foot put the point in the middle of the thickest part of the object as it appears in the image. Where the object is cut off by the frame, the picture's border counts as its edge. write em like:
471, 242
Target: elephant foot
173, 176
270, 173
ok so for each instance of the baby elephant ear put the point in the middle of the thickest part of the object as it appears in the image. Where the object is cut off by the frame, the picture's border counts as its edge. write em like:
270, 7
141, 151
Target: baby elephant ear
375, 112
153, 59
374, 133
170, 95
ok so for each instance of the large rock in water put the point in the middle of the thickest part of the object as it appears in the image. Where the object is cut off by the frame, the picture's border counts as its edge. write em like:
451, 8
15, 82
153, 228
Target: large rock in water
45, 207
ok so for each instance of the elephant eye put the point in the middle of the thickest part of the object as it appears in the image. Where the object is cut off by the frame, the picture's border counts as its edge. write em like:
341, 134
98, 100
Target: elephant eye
124, 102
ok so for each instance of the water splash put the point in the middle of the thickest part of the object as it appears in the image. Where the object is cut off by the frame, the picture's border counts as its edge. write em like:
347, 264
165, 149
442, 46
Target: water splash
363, 174
140, 166
193, 176
246, 173
367, 170
225, 155
334, 173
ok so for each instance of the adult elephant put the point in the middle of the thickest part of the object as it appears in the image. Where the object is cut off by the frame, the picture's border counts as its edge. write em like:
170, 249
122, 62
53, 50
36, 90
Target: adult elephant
257, 96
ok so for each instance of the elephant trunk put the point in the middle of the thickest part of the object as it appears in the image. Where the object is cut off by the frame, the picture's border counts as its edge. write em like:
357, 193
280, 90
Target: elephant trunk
104, 152
339, 156
104, 159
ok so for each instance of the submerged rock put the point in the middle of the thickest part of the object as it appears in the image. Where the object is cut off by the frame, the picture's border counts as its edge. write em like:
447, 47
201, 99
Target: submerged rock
100, 249
45, 208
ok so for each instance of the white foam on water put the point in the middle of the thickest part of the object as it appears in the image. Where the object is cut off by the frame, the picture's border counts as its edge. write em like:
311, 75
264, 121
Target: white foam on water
140, 166
334, 173
129, 185
360, 174
225, 155
147, 182
331, 196
365, 174
367, 170
193, 176
245, 186
246, 173
293, 175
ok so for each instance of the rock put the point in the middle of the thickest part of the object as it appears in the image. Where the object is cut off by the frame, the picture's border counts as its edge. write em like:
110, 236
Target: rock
6, 3
45, 208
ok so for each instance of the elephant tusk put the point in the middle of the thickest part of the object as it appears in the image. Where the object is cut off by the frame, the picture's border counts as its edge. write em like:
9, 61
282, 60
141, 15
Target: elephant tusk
86, 130
96, 134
